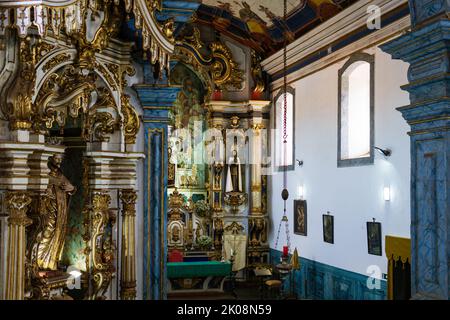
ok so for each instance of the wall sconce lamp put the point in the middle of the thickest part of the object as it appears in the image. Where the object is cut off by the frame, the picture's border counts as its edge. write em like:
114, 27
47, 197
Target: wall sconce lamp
384, 152
387, 193
300, 191
299, 162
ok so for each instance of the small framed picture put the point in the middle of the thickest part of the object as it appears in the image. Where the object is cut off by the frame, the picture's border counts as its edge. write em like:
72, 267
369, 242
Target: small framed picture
374, 238
328, 228
300, 217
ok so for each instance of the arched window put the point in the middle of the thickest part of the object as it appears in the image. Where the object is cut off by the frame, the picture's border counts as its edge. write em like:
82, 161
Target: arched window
356, 105
284, 152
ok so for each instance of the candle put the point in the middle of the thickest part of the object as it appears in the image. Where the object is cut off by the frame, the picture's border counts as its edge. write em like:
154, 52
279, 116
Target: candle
285, 251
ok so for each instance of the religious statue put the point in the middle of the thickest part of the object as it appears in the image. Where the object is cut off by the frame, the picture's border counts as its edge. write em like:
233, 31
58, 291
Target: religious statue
234, 180
54, 208
175, 234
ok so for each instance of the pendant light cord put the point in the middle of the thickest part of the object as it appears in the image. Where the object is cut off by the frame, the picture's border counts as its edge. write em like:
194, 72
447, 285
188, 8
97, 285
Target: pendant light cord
285, 193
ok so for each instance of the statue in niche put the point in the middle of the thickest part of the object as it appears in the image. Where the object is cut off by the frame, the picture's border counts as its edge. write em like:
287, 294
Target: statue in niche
234, 177
198, 232
175, 234
53, 212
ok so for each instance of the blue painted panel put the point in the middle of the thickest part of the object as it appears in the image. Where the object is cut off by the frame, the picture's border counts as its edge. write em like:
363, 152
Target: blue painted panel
320, 281
155, 186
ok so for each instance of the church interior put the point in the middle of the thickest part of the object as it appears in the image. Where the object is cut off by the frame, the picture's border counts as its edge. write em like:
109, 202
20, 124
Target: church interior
203, 149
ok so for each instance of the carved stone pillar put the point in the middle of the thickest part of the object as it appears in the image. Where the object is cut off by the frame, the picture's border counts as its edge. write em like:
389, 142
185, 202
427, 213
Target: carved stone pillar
128, 263
17, 203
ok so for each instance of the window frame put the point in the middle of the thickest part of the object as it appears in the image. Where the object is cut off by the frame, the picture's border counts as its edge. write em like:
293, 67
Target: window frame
290, 167
354, 162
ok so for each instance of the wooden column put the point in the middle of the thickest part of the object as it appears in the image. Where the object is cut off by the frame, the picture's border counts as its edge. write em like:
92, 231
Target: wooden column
17, 203
128, 263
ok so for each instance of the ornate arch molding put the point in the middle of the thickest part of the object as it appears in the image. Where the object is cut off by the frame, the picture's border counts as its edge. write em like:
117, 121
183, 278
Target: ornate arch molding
68, 93
37, 88
218, 70
187, 58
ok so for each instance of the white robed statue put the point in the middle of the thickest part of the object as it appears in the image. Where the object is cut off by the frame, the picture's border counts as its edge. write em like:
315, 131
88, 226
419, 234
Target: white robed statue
234, 176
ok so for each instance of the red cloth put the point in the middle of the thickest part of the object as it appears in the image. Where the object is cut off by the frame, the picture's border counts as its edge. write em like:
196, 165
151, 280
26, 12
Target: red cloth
175, 256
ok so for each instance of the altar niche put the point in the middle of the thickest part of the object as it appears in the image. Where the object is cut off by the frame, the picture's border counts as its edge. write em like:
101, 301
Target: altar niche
190, 227
60, 241
74, 249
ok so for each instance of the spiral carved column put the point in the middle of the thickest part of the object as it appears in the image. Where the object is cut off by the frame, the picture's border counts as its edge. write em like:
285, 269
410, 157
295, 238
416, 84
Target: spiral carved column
128, 263
17, 204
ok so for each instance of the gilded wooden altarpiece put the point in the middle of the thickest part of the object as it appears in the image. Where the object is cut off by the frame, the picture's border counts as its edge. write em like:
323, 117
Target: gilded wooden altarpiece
67, 72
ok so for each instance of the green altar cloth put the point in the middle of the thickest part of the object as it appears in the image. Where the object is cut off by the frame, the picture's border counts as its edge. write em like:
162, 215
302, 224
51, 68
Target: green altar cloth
198, 269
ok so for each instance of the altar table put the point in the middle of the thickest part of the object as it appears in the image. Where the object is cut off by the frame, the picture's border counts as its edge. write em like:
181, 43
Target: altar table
199, 276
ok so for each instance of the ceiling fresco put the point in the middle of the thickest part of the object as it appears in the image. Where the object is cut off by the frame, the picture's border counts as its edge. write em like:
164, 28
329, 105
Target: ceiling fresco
260, 10
260, 24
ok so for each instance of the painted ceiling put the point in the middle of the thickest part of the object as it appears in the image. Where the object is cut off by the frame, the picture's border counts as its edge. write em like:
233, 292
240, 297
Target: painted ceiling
262, 10
260, 24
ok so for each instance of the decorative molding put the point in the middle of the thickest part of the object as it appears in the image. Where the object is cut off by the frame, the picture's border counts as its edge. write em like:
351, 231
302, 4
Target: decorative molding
131, 121
55, 16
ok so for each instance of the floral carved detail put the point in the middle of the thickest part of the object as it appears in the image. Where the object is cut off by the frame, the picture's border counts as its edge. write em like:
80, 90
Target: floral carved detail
100, 121
56, 60
17, 204
130, 120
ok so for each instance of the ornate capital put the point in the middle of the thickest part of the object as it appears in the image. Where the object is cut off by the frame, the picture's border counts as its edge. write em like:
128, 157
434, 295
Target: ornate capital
100, 202
128, 198
17, 203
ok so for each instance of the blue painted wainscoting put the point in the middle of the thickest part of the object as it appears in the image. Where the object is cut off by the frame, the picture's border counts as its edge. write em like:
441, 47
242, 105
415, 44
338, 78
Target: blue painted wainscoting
320, 281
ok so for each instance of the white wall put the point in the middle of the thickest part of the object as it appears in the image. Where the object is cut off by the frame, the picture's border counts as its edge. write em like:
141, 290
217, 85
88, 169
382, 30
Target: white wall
353, 195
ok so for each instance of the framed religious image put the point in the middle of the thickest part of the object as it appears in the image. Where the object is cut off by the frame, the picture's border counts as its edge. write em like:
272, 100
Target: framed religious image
300, 217
328, 228
374, 238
